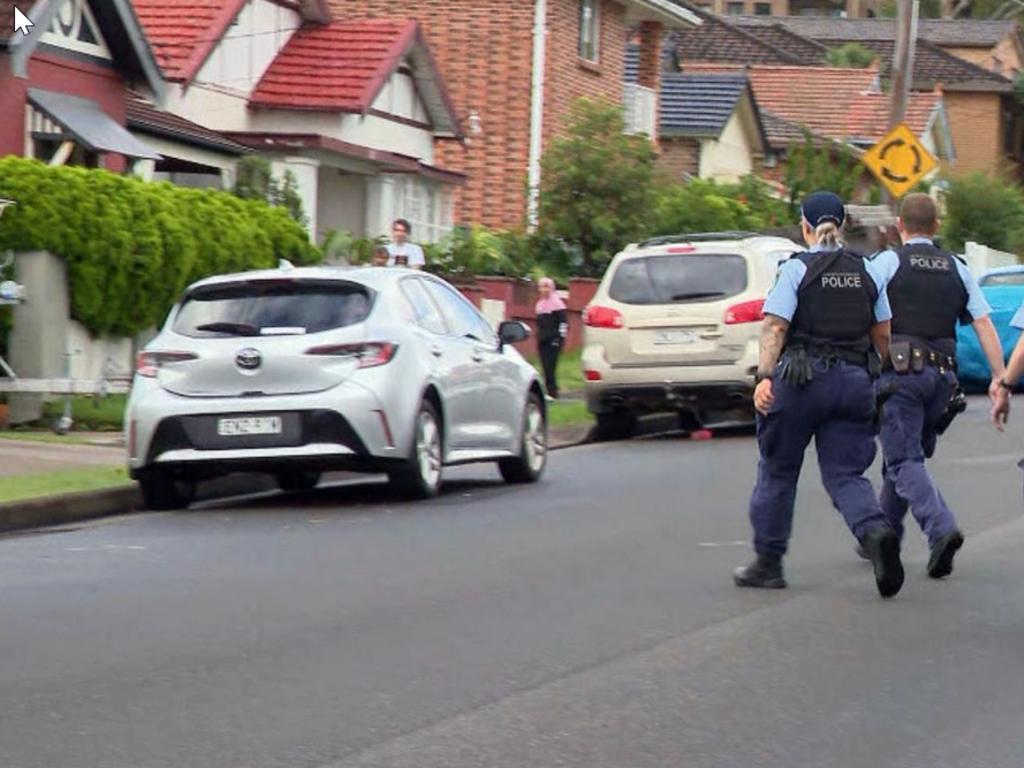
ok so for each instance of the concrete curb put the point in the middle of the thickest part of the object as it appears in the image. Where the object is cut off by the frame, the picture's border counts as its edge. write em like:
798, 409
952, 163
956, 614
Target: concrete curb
49, 511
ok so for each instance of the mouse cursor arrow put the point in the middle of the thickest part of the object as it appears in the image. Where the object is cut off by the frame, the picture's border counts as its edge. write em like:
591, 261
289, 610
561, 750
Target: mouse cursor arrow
22, 23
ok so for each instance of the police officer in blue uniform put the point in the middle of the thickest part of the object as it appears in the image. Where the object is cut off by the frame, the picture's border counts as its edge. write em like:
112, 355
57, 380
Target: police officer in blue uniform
824, 320
929, 291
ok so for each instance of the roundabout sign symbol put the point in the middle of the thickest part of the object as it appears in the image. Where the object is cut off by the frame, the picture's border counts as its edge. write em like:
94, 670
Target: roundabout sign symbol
899, 161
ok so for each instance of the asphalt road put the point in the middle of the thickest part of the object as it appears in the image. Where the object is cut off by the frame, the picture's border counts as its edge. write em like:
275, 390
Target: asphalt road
587, 621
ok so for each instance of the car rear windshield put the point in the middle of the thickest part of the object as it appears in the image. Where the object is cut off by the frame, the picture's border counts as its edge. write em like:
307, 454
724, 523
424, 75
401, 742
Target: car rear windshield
272, 308
1010, 278
675, 279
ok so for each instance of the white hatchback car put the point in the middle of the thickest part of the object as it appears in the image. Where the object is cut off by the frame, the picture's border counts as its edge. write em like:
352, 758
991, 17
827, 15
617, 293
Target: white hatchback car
297, 371
674, 328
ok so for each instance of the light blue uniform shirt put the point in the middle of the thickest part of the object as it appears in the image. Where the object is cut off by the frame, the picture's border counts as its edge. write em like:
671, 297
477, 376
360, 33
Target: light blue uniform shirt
782, 299
977, 304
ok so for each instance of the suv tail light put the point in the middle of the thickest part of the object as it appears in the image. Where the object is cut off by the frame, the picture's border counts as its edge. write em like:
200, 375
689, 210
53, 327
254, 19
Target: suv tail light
148, 364
603, 317
747, 312
370, 354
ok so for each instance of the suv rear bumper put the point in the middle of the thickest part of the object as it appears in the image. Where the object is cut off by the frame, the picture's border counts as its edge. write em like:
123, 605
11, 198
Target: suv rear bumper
701, 399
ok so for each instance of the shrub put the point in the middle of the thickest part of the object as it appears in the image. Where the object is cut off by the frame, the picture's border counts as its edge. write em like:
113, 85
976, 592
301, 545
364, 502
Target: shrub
705, 206
850, 56
132, 246
598, 184
985, 209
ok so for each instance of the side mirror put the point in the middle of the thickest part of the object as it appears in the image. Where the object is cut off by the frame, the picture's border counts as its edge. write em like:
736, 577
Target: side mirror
513, 332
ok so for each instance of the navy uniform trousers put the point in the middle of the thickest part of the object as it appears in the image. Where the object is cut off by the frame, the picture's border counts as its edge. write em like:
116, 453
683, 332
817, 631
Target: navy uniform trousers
837, 409
908, 438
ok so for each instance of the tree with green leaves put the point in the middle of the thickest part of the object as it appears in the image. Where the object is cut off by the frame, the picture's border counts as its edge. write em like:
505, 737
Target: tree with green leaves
598, 186
984, 209
812, 165
851, 56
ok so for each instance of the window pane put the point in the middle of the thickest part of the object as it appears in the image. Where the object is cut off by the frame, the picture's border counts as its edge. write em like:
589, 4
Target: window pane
735, 9
679, 279
462, 316
763, 9
427, 315
589, 30
257, 307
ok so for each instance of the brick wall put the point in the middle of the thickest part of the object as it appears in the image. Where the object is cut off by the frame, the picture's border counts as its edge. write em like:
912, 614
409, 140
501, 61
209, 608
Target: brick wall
975, 120
568, 76
485, 51
679, 157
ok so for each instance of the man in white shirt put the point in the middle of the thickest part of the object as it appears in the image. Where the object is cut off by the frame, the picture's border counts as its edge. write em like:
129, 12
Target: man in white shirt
404, 253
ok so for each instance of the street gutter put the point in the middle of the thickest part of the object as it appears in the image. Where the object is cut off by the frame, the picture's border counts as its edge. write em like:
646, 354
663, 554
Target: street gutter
65, 509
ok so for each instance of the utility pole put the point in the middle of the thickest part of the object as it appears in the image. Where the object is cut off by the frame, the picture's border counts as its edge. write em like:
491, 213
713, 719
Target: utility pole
903, 59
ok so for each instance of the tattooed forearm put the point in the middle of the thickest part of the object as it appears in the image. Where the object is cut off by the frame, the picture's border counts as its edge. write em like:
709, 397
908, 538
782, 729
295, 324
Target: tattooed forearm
773, 337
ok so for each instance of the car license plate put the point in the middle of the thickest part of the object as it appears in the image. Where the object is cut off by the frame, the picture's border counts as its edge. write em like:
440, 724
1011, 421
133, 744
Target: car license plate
249, 425
675, 337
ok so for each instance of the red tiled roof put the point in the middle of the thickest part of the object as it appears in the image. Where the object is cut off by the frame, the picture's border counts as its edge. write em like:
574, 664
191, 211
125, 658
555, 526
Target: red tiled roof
340, 67
184, 32
837, 103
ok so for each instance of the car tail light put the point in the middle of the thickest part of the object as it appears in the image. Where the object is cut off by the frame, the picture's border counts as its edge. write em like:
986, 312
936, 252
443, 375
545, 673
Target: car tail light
370, 354
681, 249
603, 317
592, 375
747, 312
148, 364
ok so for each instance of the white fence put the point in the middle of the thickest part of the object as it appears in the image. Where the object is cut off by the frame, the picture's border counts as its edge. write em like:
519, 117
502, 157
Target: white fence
981, 258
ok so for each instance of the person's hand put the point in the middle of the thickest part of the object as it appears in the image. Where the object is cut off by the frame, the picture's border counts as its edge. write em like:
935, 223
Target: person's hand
1000, 407
763, 397
995, 389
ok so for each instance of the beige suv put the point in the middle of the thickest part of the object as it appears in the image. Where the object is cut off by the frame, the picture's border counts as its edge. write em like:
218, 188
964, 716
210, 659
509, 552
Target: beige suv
674, 328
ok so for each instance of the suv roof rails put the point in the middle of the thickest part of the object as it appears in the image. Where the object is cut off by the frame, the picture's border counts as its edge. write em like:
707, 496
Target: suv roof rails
696, 237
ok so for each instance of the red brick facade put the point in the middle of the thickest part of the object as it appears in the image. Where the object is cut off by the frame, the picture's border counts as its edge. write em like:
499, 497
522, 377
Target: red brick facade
485, 51
65, 75
679, 158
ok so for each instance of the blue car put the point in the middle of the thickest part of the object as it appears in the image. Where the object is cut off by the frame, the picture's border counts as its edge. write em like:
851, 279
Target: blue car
1004, 289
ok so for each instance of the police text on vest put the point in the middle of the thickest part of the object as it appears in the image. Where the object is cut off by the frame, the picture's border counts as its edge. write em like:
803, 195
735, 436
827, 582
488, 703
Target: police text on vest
841, 280
930, 263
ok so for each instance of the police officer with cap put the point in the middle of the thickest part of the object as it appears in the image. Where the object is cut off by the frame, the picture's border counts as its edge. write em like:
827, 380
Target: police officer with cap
824, 320
929, 291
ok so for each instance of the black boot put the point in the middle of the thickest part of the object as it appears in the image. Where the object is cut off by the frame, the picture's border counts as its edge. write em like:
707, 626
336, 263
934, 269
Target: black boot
940, 564
883, 547
765, 573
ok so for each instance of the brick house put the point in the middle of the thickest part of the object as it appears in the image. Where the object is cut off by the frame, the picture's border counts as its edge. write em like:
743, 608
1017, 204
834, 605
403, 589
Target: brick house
850, 8
352, 108
790, 98
709, 124
986, 122
515, 68
68, 96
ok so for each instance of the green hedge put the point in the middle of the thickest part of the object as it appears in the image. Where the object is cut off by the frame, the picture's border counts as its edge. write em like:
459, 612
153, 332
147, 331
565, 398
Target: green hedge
132, 246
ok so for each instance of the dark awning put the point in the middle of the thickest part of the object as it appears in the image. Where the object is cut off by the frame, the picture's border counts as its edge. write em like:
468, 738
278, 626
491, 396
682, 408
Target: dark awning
89, 125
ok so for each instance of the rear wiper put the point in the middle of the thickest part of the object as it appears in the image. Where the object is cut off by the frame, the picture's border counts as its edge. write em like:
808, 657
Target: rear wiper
697, 295
235, 329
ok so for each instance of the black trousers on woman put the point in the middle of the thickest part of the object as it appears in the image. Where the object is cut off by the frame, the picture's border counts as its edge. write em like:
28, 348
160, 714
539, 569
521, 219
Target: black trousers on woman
549, 362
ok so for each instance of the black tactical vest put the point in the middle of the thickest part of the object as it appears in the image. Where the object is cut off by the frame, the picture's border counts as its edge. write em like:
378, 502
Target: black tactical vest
928, 297
835, 302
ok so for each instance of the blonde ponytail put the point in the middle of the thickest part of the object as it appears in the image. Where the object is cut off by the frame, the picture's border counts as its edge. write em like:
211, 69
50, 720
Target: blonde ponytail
828, 234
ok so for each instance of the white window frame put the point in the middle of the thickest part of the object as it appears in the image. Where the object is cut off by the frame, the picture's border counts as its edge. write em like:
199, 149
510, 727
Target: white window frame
594, 28
81, 14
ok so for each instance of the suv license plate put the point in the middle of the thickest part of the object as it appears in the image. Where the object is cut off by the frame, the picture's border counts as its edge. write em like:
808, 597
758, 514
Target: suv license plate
250, 425
675, 337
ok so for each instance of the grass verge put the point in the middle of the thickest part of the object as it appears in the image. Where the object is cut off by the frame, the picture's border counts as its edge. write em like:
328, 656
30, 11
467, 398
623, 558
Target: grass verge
568, 413
90, 413
22, 487
43, 437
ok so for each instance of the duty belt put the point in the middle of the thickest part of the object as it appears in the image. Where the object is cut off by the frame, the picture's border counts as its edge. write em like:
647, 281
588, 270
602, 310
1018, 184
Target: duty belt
835, 354
907, 355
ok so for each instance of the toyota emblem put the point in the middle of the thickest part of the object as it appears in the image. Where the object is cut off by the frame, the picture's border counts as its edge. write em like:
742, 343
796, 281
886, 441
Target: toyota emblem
248, 359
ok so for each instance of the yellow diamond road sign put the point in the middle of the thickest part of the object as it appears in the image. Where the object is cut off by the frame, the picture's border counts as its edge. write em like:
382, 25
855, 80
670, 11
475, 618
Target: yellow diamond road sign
899, 160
